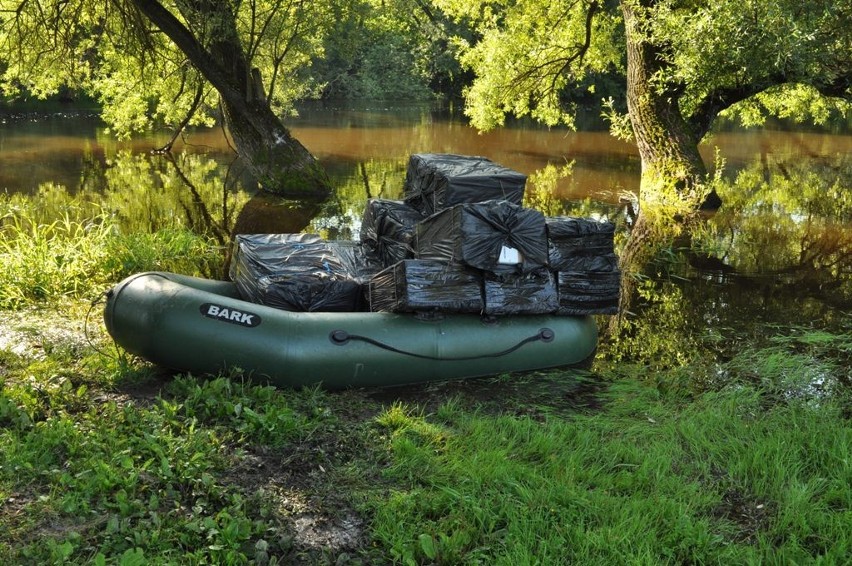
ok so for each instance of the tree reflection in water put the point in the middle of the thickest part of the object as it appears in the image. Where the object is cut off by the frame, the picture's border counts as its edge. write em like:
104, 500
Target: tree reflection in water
778, 253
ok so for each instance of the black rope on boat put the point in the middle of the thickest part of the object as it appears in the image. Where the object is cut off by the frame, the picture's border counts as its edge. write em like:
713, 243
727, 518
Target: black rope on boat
341, 337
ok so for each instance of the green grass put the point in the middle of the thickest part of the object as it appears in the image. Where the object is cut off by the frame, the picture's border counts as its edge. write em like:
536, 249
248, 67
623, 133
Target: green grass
82, 253
105, 461
647, 481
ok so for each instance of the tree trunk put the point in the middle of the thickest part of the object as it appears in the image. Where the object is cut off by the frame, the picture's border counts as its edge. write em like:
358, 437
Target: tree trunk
672, 169
673, 173
280, 163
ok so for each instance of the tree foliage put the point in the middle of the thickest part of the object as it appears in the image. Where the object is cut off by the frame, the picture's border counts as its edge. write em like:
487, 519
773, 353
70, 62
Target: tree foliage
753, 57
138, 74
388, 49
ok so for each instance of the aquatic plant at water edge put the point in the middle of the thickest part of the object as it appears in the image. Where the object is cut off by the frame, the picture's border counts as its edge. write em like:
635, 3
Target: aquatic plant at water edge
71, 257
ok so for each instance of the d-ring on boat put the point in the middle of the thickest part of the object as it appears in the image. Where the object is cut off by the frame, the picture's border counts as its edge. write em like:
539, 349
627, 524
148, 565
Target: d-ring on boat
202, 326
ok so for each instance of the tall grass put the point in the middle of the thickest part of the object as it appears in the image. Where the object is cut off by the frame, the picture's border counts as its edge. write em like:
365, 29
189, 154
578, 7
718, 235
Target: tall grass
77, 256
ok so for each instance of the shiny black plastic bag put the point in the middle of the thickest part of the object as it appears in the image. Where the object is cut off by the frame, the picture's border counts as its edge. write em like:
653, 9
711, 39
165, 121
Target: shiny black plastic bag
580, 244
588, 292
387, 228
488, 236
520, 293
435, 181
416, 285
301, 272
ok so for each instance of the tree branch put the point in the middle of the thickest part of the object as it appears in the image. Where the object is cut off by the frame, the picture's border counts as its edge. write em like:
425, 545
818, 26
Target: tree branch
199, 93
713, 103
186, 42
722, 98
581, 49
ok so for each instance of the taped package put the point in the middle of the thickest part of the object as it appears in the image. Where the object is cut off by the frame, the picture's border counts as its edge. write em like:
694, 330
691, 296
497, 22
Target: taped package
414, 285
435, 181
488, 236
301, 272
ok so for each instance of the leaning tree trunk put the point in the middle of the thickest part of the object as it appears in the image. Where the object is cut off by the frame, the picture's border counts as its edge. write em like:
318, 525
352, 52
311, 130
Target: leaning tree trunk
673, 173
672, 169
278, 161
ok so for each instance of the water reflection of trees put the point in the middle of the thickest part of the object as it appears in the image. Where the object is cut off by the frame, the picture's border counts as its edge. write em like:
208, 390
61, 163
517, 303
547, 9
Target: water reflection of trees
147, 193
778, 252
788, 218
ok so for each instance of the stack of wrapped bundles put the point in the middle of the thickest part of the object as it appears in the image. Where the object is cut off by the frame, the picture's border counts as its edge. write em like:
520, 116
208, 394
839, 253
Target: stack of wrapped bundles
460, 242
505, 242
301, 272
387, 229
476, 233
485, 235
435, 181
582, 254
422, 285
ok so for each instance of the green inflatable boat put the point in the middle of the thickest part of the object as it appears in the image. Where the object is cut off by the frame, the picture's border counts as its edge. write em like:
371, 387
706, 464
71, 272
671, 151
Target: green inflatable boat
202, 326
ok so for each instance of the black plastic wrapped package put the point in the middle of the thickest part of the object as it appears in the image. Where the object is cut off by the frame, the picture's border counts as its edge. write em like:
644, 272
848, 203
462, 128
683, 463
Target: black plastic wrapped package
588, 292
605, 262
301, 272
520, 293
487, 235
435, 181
580, 244
388, 227
414, 285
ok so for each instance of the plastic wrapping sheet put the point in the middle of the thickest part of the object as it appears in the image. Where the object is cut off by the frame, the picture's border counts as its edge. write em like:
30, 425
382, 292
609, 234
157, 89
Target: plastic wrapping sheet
421, 285
388, 228
301, 272
575, 244
605, 262
435, 181
525, 293
588, 292
479, 235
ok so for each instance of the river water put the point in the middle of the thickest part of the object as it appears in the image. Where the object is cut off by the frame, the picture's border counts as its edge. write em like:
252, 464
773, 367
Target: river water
776, 258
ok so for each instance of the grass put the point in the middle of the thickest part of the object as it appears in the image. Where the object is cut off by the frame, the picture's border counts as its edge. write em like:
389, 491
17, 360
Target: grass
80, 254
648, 480
103, 460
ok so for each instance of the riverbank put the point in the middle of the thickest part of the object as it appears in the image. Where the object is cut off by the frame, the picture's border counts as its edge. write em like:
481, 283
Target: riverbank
105, 459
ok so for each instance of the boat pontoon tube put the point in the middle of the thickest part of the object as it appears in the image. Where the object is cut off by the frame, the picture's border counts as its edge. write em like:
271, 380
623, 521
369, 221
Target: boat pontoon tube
202, 326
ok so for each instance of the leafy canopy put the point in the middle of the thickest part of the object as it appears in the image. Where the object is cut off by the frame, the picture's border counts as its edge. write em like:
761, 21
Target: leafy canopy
753, 57
109, 49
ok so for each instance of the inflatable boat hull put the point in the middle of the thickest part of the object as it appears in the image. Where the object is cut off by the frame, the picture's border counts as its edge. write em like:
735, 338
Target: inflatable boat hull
203, 327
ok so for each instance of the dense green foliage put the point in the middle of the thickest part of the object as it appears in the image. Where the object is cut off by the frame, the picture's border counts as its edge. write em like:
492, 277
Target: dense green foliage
105, 49
391, 50
531, 53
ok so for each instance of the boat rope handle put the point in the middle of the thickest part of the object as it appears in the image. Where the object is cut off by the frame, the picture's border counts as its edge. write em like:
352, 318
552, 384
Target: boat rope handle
341, 337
